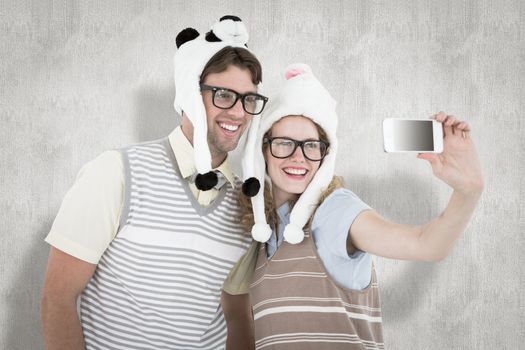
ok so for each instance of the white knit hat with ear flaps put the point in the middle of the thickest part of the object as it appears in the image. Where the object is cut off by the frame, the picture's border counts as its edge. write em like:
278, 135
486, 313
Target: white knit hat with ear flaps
302, 94
194, 52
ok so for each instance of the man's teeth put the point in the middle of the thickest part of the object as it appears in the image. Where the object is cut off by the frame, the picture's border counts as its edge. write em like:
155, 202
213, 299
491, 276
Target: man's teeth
229, 127
295, 171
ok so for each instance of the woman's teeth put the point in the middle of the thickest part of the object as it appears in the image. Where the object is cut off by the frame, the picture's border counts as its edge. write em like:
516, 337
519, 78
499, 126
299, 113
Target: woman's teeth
295, 171
229, 127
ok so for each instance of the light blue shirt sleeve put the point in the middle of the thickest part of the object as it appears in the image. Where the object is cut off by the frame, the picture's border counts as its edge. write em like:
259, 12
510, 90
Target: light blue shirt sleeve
330, 227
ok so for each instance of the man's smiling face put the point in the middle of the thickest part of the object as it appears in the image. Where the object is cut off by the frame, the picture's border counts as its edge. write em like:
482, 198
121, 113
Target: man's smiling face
226, 126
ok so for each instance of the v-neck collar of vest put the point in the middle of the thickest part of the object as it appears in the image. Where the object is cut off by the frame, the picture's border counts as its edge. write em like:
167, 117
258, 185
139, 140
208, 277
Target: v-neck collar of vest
202, 211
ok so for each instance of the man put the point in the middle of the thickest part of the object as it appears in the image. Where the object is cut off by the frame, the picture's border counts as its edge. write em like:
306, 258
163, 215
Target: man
143, 239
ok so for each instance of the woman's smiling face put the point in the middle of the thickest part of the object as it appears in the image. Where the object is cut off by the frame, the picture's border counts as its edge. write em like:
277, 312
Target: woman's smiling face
290, 176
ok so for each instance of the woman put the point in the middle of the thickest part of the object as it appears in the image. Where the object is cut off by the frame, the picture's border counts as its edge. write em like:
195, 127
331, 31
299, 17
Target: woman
319, 290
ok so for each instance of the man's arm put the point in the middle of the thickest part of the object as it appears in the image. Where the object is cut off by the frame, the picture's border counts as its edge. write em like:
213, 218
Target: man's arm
239, 320
65, 279
235, 301
84, 227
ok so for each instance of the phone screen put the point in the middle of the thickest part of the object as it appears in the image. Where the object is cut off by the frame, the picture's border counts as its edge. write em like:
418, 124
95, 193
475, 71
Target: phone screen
412, 135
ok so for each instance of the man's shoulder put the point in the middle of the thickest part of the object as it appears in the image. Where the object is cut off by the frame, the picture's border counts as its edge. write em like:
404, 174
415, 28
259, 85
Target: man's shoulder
106, 162
153, 144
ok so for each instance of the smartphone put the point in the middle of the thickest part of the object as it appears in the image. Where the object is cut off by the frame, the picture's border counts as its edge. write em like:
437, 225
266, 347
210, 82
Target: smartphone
412, 135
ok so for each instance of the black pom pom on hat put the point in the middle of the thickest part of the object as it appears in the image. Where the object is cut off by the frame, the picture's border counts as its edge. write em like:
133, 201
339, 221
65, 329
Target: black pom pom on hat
186, 35
251, 187
205, 182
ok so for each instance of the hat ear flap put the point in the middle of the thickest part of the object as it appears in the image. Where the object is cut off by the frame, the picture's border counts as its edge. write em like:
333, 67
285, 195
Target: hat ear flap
186, 35
211, 37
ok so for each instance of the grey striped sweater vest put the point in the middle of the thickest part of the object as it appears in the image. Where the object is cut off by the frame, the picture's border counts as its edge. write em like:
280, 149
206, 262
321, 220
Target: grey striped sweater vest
297, 305
157, 286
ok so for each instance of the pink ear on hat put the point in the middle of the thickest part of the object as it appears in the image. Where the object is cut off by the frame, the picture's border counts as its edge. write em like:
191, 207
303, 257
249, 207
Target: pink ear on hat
293, 72
296, 69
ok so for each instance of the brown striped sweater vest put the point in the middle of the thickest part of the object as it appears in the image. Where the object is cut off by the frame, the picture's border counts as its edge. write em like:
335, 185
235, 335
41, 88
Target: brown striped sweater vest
297, 305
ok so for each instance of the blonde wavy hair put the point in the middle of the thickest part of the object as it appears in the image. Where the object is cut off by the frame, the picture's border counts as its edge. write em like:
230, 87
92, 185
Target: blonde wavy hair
269, 207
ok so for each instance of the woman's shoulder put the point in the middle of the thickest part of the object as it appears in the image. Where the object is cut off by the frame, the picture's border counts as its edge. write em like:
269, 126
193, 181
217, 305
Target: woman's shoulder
342, 204
332, 221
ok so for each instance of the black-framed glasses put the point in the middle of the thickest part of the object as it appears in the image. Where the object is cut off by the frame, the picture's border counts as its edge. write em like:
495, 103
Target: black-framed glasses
224, 98
284, 147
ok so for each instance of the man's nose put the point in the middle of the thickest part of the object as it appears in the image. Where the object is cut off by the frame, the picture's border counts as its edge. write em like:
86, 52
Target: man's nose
237, 110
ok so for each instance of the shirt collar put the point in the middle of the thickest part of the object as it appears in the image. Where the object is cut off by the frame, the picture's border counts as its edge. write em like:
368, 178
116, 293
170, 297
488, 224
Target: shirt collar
183, 150
283, 212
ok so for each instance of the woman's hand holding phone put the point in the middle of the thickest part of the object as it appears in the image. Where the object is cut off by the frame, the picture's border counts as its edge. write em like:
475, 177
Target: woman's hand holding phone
458, 165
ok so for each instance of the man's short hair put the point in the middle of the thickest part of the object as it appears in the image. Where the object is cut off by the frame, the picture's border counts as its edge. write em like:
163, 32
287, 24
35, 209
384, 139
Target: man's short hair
237, 56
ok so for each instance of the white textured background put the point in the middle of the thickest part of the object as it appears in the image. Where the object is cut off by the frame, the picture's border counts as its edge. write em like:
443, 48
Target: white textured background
80, 77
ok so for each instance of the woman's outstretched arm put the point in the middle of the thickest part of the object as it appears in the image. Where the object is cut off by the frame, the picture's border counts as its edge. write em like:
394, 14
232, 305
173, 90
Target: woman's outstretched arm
459, 167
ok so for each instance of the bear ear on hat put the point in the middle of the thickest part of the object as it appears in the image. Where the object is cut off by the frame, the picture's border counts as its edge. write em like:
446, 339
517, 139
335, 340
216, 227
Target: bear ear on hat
296, 69
186, 35
211, 37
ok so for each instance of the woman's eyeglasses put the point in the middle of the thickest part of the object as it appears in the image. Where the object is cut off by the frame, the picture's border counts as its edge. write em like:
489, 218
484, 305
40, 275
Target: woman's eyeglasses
284, 147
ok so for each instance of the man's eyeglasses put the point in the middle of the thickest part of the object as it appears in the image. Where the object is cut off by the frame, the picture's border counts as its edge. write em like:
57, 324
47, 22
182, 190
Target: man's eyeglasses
284, 147
224, 98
